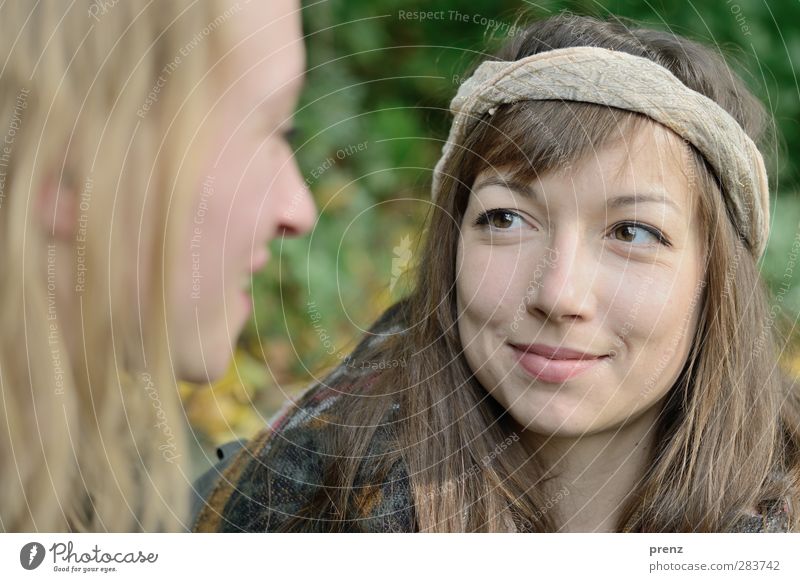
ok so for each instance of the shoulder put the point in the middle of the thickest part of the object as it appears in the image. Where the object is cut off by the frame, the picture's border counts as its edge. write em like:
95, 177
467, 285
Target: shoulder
260, 485
383, 501
283, 468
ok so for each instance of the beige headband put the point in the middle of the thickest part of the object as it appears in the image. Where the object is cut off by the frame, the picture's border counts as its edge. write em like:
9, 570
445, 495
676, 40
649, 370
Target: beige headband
625, 81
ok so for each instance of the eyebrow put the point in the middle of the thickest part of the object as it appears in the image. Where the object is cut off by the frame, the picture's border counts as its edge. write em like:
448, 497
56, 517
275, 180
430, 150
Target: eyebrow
509, 184
632, 199
615, 202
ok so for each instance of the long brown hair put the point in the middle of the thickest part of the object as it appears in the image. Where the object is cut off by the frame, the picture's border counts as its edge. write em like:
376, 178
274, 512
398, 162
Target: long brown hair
728, 436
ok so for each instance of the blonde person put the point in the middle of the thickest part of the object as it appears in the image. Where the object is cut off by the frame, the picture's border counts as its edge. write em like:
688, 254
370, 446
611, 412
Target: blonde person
589, 347
145, 167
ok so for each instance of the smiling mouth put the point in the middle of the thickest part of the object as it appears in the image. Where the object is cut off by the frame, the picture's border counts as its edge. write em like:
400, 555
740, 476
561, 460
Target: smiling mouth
552, 370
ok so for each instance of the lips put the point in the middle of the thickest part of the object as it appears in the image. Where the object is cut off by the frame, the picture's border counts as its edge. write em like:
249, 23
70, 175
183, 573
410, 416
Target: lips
556, 353
259, 261
555, 365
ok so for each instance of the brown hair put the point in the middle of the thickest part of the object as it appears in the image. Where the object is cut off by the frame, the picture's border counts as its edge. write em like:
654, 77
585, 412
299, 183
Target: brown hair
728, 437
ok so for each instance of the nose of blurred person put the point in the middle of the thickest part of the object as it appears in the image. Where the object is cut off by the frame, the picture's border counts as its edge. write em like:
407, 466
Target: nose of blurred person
297, 213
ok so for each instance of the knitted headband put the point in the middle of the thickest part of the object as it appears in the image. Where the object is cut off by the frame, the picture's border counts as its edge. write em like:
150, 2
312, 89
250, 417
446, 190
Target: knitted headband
621, 80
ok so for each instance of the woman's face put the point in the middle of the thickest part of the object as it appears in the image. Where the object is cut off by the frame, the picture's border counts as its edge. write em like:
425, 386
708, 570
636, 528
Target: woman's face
571, 261
250, 193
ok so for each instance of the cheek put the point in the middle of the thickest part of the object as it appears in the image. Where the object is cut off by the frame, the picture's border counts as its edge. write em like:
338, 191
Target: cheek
635, 303
212, 234
239, 200
491, 281
265, 182
654, 308
655, 318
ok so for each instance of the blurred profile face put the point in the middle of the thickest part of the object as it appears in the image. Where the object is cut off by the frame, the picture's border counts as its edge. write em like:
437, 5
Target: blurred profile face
250, 193
571, 262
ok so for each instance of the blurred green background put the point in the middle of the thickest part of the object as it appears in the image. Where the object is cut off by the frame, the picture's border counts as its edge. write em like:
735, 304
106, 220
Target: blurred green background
371, 123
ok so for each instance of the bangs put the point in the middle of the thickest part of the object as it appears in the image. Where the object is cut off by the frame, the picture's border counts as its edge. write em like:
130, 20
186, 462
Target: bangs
531, 138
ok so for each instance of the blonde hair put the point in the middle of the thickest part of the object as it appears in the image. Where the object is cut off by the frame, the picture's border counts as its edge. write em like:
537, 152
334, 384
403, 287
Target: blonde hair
94, 95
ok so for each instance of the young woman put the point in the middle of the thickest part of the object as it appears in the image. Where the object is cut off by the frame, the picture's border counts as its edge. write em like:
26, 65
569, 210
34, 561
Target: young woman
589, 346
144, 169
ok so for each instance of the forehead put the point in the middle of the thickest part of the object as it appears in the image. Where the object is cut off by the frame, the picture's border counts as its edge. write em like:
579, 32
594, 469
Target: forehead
533, 140
650, 153
267, 57
649, 157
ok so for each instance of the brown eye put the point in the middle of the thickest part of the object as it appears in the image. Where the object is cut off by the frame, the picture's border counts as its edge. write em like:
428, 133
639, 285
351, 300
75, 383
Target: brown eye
502, 219
628, 232
499, 219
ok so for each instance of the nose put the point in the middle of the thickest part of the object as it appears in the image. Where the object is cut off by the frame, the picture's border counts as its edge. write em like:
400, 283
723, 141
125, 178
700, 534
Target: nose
298, 213
562, 281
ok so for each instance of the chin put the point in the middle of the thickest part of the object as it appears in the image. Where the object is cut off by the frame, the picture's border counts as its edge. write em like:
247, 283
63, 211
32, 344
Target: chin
548, 419
204, 355
204, 372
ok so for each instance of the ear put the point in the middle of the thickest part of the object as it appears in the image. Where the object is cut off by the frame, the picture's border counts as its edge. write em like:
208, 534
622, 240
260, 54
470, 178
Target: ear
56, 207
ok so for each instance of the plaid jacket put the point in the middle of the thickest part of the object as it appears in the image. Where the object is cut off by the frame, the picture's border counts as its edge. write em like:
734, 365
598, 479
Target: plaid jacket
261, 485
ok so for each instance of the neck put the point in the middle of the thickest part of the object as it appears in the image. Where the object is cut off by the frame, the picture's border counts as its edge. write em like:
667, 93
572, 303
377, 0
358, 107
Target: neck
594, 476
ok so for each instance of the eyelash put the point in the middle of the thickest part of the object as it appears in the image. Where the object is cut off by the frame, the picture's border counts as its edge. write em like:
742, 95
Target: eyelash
483, 220
483, 217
